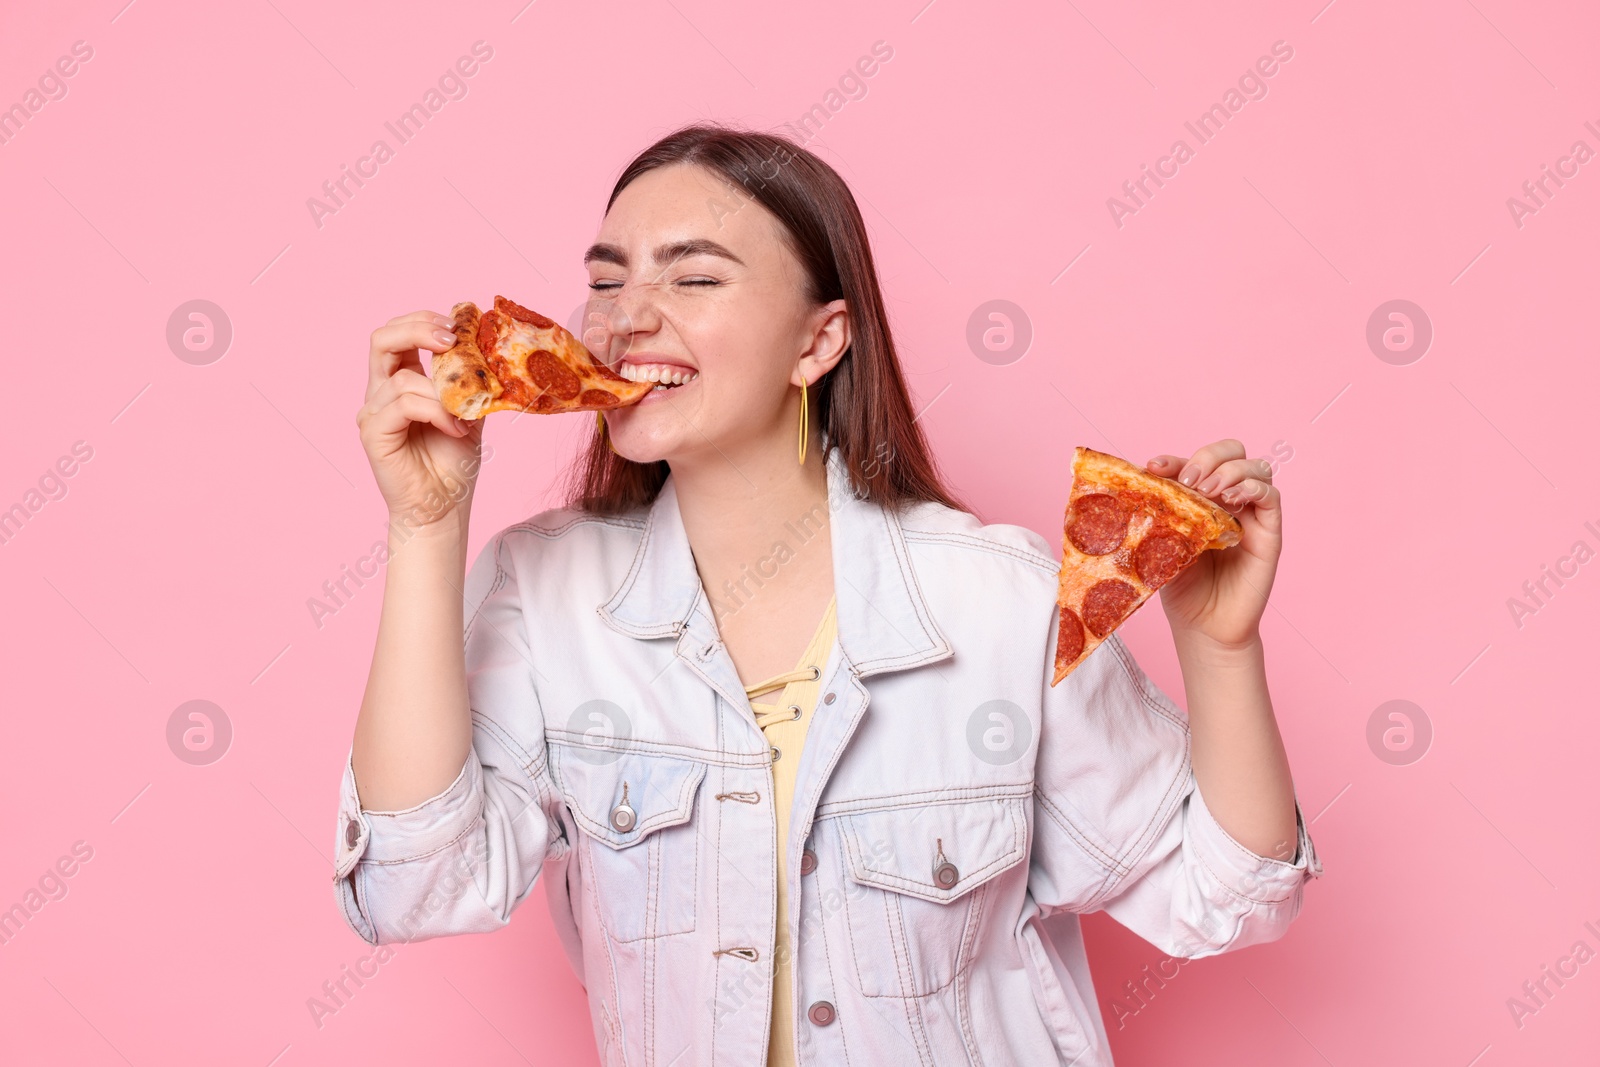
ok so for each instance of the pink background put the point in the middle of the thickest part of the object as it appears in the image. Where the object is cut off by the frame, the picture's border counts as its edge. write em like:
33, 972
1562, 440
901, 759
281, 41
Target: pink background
219, 498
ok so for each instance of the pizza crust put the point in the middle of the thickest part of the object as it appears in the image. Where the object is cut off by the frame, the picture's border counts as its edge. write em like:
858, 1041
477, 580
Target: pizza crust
462, 377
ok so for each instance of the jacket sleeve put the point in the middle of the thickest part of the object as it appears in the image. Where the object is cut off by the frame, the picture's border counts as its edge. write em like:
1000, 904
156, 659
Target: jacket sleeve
461, 861
1120, 825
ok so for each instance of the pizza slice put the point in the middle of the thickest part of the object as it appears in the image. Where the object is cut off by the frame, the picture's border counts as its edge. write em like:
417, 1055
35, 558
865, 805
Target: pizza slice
513, 359
1127, 533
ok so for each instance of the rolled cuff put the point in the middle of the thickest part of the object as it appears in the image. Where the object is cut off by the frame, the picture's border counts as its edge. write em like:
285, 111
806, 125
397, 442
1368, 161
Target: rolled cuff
1253, 877
411, 834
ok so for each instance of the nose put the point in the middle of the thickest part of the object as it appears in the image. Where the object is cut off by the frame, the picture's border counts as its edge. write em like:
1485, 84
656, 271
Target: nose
622, 317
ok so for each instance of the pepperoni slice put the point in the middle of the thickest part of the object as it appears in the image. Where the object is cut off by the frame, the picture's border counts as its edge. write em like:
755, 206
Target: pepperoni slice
517, 311
1099, 524
514, 391
1069, 638
597, 398
1160, 556
553, 376
488, 330
1106, 604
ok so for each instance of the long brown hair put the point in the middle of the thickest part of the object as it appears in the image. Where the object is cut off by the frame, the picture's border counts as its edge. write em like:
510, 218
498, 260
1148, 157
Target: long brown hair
862, 404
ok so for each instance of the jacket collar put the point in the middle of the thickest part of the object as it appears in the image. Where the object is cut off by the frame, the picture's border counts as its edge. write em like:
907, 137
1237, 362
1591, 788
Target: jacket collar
883, 620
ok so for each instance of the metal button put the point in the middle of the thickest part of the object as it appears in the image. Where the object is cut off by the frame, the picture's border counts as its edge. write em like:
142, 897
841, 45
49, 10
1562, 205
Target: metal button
623, 817
821, 1013
808, 861
352, 833
828, 699
945, 875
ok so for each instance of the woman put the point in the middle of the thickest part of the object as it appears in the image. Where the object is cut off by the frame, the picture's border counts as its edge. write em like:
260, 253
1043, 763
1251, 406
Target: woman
864, 839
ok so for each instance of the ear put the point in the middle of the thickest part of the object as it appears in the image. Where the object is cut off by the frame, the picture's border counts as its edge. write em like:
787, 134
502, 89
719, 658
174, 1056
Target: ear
830, 340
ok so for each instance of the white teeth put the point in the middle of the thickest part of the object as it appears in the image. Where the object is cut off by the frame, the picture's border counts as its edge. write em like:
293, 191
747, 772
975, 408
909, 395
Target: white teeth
664, 375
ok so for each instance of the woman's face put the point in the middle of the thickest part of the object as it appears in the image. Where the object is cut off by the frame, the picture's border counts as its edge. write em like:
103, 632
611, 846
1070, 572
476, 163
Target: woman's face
693, 281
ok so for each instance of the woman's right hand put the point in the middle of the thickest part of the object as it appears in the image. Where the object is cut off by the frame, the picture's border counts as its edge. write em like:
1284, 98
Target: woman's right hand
424, 459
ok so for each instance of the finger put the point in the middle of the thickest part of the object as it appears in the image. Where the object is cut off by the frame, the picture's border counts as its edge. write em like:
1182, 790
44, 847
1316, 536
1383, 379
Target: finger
1261, 498
1207, 459
401, 381
423, 316
397, 416
1233, 472
1165, 465
395, 346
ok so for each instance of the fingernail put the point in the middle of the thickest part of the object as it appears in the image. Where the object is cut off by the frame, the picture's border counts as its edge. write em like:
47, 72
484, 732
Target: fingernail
443, 338
1210, 484
1189, 475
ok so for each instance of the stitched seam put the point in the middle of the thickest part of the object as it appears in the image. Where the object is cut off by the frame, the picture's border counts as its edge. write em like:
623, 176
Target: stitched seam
673, 817
919, 1031
551, 533
716, 889
633, 571
531, 766
1141, 842
1059, 817
611, 962
1223, 882
883, 878
361, 919
494, 587
566, 738
962, 983
908, 575
909, 572
827, 962
845, 848
1140, 685
895, 923
694, 871
1044, 563
431, 852
1251, 857
653, 888
924, 799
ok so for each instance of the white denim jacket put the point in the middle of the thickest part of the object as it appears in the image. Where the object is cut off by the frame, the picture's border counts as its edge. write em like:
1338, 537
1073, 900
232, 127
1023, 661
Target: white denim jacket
953, 816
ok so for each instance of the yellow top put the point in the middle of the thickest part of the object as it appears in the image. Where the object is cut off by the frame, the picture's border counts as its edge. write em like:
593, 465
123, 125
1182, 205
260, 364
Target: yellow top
784, 724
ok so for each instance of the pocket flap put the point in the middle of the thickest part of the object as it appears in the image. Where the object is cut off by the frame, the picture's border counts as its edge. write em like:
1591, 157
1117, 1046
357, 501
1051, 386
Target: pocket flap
903, 849
660, 791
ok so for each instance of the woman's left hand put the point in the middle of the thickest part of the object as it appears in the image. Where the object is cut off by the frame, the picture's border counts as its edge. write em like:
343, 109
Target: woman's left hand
1222, 595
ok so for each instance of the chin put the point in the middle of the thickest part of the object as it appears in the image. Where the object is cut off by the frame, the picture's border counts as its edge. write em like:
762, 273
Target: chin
636, 439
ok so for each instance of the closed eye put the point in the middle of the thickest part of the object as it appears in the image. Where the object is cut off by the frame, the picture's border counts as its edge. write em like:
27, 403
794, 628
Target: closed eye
606, 285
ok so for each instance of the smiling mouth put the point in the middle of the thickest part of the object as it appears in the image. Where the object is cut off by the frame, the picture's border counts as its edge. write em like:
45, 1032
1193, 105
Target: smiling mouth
666, 376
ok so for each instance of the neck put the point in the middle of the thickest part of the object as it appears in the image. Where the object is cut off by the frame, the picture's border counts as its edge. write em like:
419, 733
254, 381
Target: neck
740, 504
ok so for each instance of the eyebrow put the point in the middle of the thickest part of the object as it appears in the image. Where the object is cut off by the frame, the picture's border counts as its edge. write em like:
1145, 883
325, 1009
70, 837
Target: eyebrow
664, 254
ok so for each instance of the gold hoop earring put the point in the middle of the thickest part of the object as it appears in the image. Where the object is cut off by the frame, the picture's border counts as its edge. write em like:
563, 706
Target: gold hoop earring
600, 424
804, 419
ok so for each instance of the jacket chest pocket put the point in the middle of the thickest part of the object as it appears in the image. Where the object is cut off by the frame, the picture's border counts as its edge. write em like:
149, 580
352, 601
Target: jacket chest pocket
917, 882
640, 841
